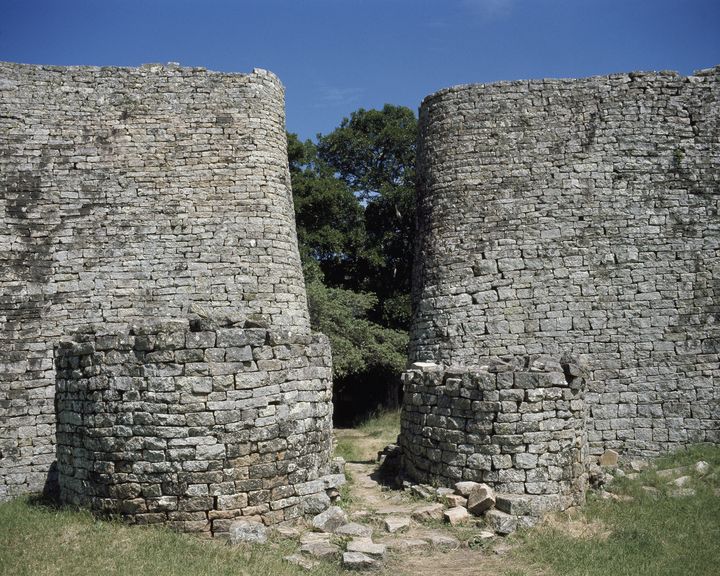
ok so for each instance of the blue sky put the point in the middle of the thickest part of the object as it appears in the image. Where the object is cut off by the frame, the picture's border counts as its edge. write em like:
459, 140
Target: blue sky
335, 56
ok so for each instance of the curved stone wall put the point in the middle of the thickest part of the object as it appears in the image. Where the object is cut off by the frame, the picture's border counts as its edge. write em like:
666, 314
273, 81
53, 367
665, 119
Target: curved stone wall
515, 423
194, 427
132, 193
579, 216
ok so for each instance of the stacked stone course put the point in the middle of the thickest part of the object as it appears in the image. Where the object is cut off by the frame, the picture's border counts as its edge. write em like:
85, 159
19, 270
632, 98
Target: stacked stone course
194, 427
580, 217
129, 194
516, 423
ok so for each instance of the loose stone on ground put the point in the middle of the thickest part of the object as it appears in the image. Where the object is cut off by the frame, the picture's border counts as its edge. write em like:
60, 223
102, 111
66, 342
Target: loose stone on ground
395, 524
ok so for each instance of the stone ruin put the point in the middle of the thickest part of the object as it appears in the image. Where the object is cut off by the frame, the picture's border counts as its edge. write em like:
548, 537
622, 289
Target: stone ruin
154, 331
156, 359
566, 274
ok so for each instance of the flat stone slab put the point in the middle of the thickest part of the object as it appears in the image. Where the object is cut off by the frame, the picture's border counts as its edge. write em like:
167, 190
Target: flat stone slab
310, 537
457, 515
407, 543
453, 500
395, 524
423, 491
529, 505
288, 531
358, 561
443, 541
429, 512
320, 549
354, 529
366, 546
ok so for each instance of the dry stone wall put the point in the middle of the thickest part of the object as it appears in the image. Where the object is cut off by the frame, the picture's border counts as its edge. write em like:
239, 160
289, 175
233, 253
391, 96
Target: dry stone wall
128, 194
195, 426
580, 216
515, 423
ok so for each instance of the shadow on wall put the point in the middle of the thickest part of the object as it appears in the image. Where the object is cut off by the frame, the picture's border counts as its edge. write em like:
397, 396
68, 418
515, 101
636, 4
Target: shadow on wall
51, 489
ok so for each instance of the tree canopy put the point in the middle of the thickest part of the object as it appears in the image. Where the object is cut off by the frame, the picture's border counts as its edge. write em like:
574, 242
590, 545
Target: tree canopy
355, 212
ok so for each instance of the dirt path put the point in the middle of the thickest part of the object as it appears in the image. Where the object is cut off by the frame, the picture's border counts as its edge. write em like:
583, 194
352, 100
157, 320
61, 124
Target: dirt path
423, 549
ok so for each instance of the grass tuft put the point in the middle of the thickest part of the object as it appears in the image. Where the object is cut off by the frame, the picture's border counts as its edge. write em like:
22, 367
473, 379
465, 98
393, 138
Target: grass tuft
36, 539
647, 533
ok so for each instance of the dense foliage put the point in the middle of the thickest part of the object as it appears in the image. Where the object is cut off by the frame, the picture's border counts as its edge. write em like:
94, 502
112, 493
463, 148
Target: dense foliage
355, 212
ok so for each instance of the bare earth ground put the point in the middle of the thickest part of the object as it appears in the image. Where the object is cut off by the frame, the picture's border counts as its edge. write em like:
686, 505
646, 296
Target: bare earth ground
371, 501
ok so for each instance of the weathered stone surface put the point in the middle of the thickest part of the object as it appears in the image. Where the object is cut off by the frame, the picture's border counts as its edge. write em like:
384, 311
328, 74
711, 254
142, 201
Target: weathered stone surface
320, 549
444, 541
358, 561
395, 524
453, 500
203, 442
565, 215
366, 546
608, 458
407, 543
681, 482
481, 498
316, 503
464, 488
501, 522
530, 505
429, 512
701, 467
354, 529
134, 193
330, 520
311, 537
457, 515
287, 531
423, 491
242, 531
519, 429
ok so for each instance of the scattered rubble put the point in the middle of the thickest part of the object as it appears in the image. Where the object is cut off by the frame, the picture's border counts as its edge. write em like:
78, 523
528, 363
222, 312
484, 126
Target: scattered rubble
330, 520
480, 499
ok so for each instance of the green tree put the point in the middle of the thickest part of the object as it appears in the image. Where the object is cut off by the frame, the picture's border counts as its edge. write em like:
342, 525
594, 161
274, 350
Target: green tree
355, 211
329, 219
373, 152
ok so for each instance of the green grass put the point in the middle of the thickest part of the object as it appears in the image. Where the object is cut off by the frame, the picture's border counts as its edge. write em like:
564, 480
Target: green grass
38, 540
654, 534
363, 442
384, 425
348, 449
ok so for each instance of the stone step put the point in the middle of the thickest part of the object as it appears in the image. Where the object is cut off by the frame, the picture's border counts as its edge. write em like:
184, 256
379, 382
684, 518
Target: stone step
530, 504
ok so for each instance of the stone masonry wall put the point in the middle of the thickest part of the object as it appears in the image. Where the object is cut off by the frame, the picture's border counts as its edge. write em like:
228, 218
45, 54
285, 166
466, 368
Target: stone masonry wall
516, 423
125, 194
194, 428
580, 216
